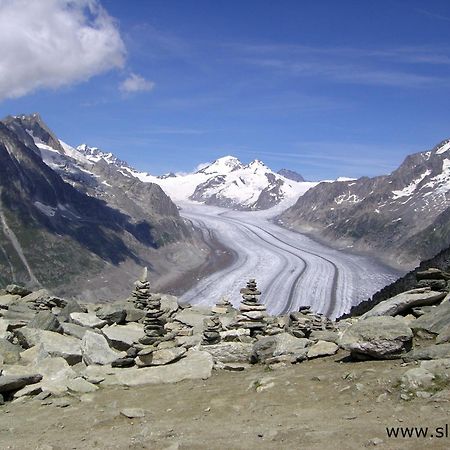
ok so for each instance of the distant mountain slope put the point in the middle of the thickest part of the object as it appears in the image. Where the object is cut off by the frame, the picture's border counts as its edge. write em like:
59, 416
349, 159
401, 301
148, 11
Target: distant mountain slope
65, 218
403, 217
290, 175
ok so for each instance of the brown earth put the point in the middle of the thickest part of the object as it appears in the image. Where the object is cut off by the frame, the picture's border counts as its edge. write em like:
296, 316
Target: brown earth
318, 404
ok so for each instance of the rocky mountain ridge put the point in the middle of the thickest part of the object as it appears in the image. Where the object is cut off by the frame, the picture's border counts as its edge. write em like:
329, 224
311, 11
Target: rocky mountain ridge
66, 218
402, 217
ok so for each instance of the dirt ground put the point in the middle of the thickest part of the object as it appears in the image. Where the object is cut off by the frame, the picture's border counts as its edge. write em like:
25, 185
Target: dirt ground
318, 404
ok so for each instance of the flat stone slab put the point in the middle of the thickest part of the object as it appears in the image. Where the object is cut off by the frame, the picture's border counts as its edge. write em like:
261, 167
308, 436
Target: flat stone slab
54, 344
132, 413
440, 351
196, 365
228, 352
10, 383
322, 348
89, 320
401, 302
122, 337
96, 350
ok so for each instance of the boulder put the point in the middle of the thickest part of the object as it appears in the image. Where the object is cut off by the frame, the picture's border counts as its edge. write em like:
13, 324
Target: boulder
229, 351
15, 289
56, 374
71, 307
45, 320
4, 333
34, 355
95, 350
434, 321
324, 335
7, 300
19, 312
80, 385
77, 331
36, 295
439, 351
9, 383
89, 320
280, 345
122, 337
444, 335
134, 314
196, 365
381, 337
406, 300
322, 348
54, 344
112, 313
159, 357
10, 353
192, 317
169, 304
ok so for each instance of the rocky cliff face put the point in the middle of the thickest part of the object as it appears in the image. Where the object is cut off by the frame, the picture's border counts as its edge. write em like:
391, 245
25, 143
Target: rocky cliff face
65, 218
402, 217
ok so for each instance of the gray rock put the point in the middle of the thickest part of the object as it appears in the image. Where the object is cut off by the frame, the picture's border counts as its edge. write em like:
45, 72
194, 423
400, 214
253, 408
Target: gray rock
81, 385
56, 374
34, 355
381, 337
31, 389
112, 313
324, 335
7, 300
88, 320
434, 321
132, 413
283, 344
19, 312
169, 304
74, 330
122, 337
192, 317
160, 357
134, 314
10, 383
54, 344
417, 378
196, 365
95, 350
4, 333
123, 362
36, 295
45, 320
444, 335
15, 289
227, 352
10, 353
405, 300
440, 351
71, 307
322, 348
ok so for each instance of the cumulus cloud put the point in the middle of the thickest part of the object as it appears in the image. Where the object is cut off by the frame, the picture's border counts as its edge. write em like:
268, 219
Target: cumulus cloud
55, 43
136, 83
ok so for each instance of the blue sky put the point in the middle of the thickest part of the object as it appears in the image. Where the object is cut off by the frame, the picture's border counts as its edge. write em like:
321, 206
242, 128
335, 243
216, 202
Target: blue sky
327, 88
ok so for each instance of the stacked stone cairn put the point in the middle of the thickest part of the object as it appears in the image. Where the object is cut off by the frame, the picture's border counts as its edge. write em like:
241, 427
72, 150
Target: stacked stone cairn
141, 292
212, 329
223, 306
302, 323
251, 313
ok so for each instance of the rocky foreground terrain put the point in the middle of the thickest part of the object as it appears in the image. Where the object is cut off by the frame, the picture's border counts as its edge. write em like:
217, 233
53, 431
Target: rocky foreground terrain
150, 373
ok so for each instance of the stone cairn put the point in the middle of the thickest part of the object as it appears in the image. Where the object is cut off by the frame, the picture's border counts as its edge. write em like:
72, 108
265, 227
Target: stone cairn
251, 313
223, 306
305, 321
212, 329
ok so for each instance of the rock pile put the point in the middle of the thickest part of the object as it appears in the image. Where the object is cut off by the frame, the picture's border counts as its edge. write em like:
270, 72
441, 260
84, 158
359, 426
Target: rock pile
433, 278
251, 313
153, 321
304, 322
223, 306
211, 333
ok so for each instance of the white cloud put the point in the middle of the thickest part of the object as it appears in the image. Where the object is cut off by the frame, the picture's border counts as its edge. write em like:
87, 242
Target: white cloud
136, 83
54, 43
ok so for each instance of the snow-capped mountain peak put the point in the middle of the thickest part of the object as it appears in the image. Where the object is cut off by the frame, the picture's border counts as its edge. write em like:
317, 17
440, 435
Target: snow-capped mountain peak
223, 165
94, 154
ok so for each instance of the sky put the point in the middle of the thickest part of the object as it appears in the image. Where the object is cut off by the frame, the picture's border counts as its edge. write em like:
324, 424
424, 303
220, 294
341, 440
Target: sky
327, 88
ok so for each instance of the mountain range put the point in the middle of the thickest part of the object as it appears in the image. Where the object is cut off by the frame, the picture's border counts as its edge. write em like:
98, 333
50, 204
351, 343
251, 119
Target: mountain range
403, 217
80, 226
